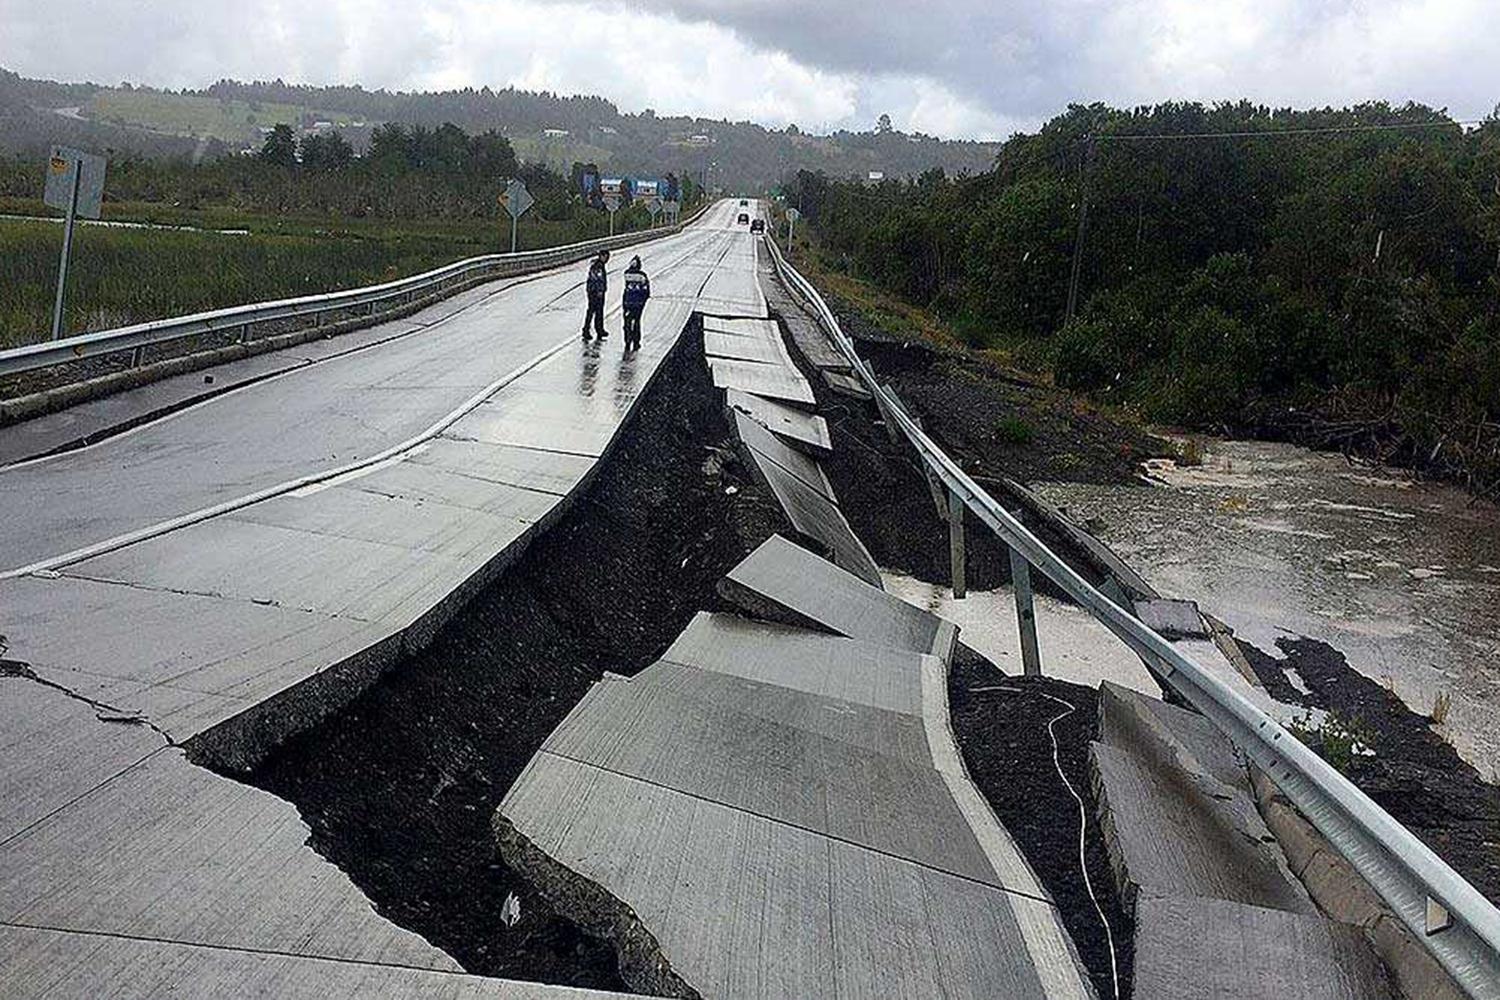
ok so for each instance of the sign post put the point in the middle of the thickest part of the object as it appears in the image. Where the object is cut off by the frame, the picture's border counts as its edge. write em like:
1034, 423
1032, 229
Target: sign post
654, 208
515, 199
75, 185
791, 223
673, 209
611, 205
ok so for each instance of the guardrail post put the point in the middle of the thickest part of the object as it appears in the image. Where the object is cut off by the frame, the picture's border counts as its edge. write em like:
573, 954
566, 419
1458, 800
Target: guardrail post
135, 357
1020, 578
956, 544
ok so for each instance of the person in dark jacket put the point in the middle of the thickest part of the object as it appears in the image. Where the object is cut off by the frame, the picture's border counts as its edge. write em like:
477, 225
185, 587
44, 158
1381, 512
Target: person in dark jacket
596, 286
637, 291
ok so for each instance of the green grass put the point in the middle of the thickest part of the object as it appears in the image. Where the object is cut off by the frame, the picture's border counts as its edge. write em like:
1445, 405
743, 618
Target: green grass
123, 276
179, 114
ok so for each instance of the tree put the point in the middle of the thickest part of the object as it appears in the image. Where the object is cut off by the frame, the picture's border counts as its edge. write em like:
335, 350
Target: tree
883, 124
280, 147
326, 152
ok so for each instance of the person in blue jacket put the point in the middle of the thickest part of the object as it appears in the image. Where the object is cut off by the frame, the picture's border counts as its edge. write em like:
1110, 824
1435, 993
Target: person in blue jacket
637, 291
596, 286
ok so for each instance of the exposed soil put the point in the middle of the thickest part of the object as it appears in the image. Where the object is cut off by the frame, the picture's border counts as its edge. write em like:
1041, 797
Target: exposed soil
1001, 726
1413, 773
399, 788
999, 422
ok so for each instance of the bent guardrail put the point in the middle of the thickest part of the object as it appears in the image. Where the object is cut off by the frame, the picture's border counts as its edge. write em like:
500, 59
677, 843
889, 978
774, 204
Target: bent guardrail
241, 319
1456, 923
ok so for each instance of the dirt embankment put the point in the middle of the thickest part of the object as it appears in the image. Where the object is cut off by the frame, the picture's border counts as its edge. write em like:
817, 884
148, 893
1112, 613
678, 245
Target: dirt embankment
1410, 772
399, 788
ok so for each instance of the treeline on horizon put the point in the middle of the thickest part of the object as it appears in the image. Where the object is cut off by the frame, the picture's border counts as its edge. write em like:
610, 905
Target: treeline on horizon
743, 155
1336, 287
408, 172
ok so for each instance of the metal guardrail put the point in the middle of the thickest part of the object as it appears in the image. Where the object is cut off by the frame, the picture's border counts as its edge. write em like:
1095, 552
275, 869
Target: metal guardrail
1447, 914
242, 318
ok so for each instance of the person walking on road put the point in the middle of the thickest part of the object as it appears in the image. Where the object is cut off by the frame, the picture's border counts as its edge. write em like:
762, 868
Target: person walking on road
596, 286
637, 291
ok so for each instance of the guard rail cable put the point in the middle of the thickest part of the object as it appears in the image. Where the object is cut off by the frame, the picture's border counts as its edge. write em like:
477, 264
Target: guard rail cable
140, 335
1444, 911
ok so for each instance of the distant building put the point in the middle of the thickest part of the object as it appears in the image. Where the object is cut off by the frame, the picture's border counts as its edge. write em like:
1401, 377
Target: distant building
876, 176
322, 126
700, 140
609, 130
555, 133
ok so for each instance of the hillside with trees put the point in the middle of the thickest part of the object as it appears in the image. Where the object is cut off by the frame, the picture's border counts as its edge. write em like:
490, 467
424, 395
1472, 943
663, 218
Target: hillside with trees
231, 116
1326, 275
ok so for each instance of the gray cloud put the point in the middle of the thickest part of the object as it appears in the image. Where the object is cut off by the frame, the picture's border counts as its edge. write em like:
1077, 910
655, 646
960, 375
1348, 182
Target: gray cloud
956, 67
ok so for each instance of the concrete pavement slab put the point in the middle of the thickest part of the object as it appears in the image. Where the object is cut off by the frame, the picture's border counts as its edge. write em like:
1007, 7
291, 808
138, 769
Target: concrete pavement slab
817, 517
789, 774
728, 345
787, 575
771, 381
820, 665
806, 468
170, 851
1213, 949
545, 471
56, 749
806, 429
64, 965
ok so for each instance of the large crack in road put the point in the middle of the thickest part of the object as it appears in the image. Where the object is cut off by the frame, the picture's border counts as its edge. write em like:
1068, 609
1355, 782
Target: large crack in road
399, 787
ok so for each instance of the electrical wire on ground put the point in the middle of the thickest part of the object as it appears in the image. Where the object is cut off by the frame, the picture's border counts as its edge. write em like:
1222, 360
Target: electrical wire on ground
1088, 883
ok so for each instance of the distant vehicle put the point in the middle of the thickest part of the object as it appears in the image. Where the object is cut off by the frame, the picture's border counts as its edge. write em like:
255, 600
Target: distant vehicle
758, 226
744, 202
744, 218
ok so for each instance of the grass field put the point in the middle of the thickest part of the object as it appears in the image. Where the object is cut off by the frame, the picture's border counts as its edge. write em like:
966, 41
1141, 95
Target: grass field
201, 117
120, 276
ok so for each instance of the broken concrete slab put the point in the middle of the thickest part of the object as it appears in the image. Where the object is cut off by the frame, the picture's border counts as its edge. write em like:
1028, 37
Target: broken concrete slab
815, 515
169, 851
1214, 949
756, 437
783, 772
782, 574
846, 383
65, 965
729, 345
1172, 619
871, 729
1171, 833
805, 429
814, 664
755, 329
771, 381
1176, 737
58, 749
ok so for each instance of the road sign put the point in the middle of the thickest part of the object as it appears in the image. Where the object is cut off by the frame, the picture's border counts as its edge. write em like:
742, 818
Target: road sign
673, 210
792, 215
515, 199
612, 205
67, 167
654, 207
75, 184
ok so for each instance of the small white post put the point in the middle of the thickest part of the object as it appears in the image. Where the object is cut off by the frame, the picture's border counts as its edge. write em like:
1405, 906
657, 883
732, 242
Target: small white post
67, 247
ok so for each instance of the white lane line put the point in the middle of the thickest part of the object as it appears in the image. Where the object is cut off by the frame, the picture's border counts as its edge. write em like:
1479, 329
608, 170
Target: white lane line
1051, 949
184, 520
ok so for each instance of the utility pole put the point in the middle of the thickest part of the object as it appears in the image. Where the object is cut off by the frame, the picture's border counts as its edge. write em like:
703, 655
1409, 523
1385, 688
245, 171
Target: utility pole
1083, 221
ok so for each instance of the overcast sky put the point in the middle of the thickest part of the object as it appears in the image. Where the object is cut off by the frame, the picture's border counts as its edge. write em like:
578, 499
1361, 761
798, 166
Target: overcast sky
970, 68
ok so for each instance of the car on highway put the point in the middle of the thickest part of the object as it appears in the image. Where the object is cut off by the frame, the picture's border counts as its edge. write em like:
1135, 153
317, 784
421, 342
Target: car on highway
744, 218
758, 226
744, 202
